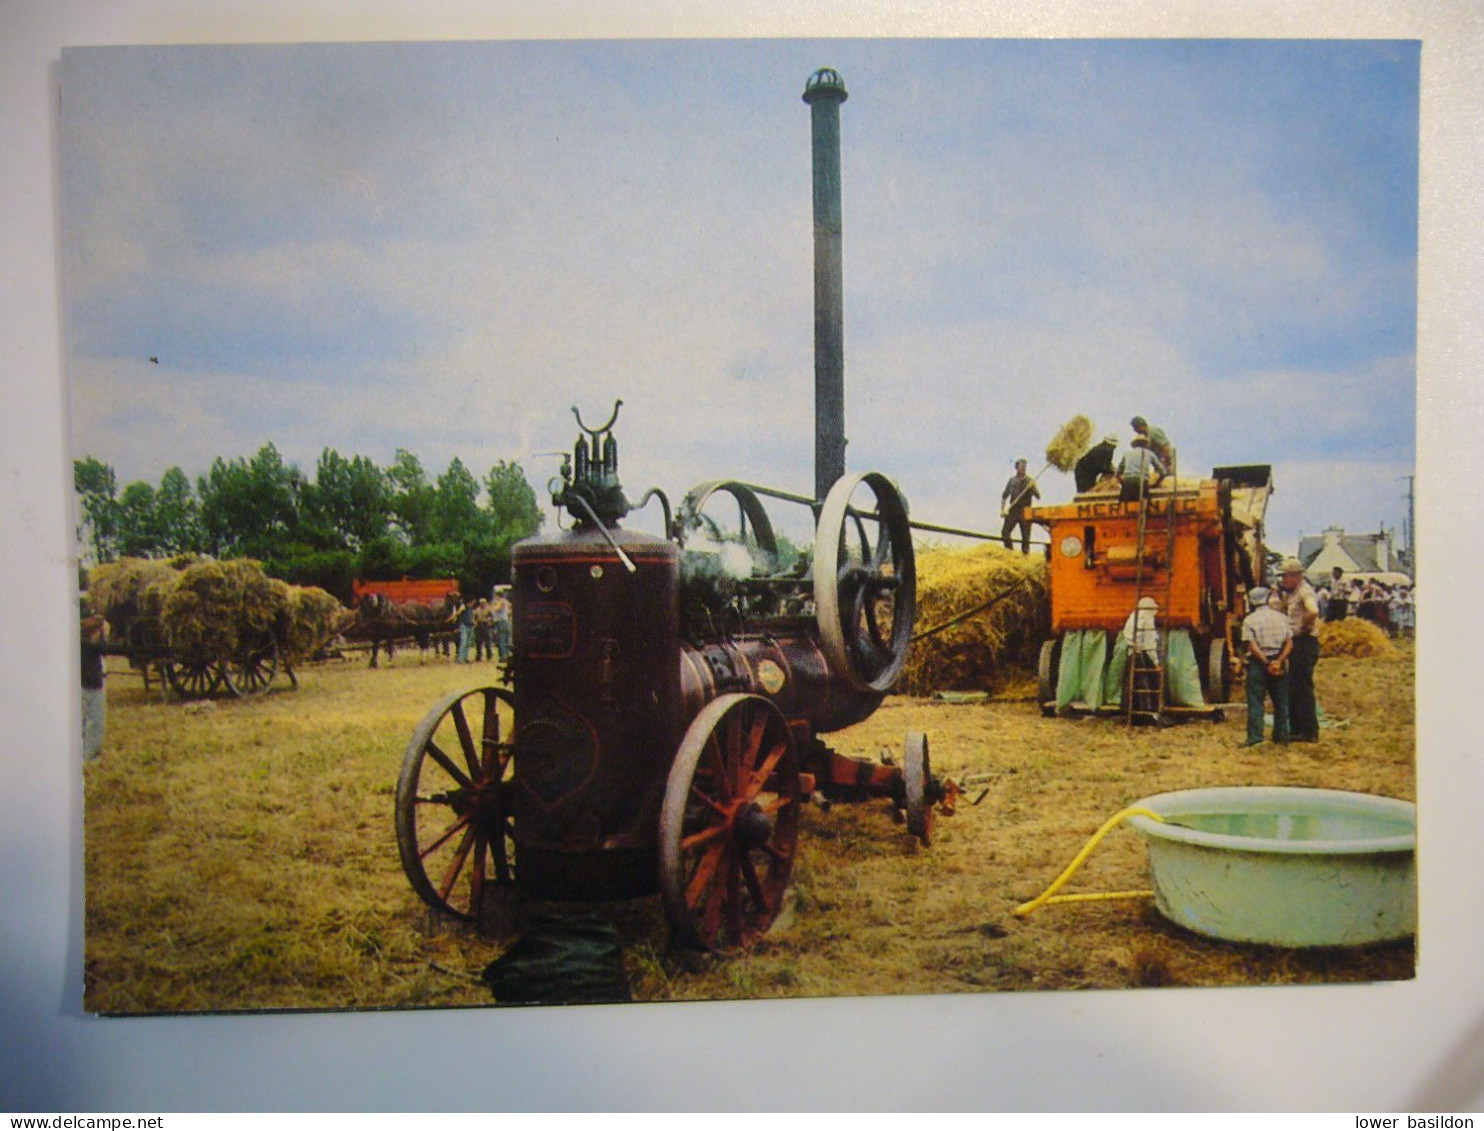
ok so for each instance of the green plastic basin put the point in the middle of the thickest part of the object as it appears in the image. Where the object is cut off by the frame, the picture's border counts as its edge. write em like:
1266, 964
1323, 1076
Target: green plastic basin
1284, 866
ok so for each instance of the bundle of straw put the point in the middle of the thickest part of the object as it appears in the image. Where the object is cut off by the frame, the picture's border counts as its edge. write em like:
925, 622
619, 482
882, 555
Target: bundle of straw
1354, 637
990, 649
311, 617
1068, 445
1063, 452
128, 589
217, 608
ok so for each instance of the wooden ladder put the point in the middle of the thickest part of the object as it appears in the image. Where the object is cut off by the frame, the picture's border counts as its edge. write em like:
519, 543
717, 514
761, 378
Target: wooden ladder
1144, 698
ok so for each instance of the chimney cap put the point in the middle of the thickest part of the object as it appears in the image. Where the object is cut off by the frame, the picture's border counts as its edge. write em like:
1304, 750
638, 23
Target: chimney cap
825, 83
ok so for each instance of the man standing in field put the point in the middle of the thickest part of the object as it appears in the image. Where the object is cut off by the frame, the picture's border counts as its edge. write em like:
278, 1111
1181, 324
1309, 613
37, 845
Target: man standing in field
1141, 634
465, 619
1339, 596
1302, 608
1268, 638
501, 609
94, 699
484, 631
1015, 499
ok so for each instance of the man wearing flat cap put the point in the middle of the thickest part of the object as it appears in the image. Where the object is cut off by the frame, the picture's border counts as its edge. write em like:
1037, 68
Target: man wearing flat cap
1158, 442
1015, 499
1302, 607
1267, 640
1139, 470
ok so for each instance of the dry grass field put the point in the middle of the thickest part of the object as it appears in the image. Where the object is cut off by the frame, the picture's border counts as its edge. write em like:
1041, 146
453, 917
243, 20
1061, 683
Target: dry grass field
241, 855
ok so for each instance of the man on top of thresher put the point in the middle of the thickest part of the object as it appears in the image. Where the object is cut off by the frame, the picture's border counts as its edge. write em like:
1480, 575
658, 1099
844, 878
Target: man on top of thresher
1158, 442
1139, 470
1095, 465
1015, 499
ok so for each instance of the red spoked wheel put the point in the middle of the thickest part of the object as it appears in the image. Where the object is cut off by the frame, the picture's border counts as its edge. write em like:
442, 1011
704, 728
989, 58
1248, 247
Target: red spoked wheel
729, 826
455, 827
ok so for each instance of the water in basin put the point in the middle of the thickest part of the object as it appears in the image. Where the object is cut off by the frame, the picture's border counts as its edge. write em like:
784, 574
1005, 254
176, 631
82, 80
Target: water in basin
1293, 826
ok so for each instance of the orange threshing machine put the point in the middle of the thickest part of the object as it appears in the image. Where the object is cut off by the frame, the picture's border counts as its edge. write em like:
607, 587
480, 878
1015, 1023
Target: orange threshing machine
1194, 546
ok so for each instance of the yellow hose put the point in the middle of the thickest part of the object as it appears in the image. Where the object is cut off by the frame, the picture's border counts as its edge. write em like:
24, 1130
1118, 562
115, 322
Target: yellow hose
1050, 896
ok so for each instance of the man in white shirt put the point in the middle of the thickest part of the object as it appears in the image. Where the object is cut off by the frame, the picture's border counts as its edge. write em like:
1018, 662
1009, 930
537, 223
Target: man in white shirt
1267, 640
1339, 596
1141, 633
1302, 608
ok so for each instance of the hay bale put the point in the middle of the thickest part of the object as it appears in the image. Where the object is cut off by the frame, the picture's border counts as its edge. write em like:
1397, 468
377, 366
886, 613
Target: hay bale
311, 617
1354, 637
991, 649
218, 608
129, 589
1067, 446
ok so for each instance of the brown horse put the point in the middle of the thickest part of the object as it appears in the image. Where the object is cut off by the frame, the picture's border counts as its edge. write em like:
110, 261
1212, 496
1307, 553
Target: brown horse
383, 621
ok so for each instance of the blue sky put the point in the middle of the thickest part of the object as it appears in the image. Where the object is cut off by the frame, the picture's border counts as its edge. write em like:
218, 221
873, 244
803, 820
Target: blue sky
442, 247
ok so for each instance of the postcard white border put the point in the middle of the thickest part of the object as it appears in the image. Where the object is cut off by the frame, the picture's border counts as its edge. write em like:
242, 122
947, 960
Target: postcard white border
1397, 1046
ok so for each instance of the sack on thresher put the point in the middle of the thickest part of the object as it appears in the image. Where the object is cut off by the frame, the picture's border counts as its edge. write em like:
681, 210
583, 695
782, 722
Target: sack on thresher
1092, 670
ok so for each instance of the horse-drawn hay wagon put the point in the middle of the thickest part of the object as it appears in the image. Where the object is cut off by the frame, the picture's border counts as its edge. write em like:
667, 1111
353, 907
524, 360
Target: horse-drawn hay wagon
209, 626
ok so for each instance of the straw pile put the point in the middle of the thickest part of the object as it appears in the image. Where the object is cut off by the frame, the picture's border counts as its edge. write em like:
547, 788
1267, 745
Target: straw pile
991, 649
312, 616
128, 589
1354, 637
1067, 446
210, 610
218, 608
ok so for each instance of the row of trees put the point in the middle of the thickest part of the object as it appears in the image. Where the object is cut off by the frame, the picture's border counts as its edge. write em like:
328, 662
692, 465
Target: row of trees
352, 519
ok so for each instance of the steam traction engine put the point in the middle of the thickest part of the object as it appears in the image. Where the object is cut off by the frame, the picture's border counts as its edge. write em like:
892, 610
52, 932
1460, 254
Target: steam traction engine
668, 697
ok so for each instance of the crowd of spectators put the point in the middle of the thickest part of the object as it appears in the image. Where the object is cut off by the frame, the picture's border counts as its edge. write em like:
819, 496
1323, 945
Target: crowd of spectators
1391, 608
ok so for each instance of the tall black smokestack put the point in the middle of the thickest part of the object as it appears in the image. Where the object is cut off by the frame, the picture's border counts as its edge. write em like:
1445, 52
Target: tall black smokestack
824, 92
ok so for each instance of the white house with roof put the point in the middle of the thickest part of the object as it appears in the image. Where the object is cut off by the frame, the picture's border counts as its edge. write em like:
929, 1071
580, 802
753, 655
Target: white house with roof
1353, 553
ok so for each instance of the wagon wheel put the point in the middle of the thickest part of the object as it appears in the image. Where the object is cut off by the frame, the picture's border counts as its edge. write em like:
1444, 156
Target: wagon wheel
192, 679
455, 827
917, 775
1046, 673
729, 824
865, 596
252, 671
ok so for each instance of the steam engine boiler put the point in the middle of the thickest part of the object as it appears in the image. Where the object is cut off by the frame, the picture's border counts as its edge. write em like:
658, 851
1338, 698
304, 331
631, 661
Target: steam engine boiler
668, 696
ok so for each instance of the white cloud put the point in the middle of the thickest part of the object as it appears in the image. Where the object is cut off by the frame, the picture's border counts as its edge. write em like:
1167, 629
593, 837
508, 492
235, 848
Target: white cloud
372, 252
